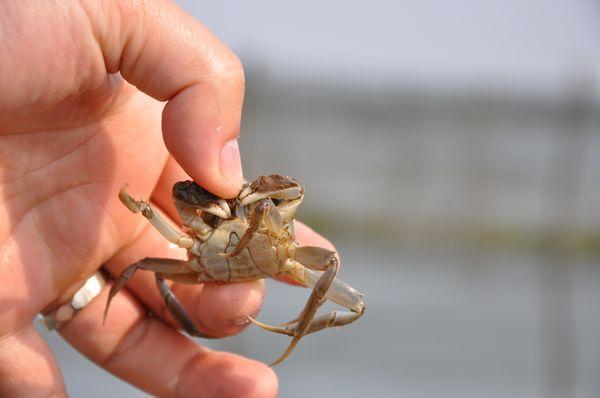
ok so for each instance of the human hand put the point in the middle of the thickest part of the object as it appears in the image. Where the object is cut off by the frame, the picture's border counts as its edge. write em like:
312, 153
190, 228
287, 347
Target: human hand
71, 134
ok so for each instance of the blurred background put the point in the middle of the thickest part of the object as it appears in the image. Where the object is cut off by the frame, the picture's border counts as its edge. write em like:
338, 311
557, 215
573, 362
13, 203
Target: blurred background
451, 151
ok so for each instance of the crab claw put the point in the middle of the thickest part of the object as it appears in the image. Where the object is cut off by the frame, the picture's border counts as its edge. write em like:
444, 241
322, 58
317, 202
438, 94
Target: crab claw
274, 186
189, 194
127, 200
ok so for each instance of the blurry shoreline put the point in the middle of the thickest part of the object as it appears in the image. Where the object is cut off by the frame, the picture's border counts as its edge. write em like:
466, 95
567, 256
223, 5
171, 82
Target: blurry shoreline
471, 167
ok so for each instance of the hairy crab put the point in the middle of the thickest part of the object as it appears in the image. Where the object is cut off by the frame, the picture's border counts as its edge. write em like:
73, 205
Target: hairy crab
242, 239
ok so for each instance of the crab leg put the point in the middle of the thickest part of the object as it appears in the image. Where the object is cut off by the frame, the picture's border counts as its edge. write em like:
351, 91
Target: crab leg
303, 325
176, 309
165, 266
326, 287
329, 320
264, 210
165, 229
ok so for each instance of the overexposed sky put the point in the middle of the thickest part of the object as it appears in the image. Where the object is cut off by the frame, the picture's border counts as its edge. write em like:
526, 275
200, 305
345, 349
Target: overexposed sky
493, 43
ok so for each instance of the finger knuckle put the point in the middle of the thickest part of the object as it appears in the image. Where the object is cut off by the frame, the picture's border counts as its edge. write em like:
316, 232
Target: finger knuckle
229, 72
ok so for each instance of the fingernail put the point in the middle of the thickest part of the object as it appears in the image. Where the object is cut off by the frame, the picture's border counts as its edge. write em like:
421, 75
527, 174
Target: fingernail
230, 163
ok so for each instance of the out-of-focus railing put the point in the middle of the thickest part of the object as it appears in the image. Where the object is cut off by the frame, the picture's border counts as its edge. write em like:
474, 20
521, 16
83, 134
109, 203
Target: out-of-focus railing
481, 167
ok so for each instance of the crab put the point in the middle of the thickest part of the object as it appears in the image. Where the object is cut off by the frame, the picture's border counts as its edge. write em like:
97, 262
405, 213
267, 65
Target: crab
246, 238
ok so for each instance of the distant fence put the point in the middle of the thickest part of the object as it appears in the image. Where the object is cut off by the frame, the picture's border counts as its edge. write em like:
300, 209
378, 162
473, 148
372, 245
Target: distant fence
491, 166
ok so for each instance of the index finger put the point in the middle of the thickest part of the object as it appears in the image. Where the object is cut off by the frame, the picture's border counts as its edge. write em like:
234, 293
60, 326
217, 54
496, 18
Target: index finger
170, 56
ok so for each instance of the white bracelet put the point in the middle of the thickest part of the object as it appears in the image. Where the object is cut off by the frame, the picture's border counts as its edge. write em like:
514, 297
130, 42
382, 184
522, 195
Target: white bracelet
92, 287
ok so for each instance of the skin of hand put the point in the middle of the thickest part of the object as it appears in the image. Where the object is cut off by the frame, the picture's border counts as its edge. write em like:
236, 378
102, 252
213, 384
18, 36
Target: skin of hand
84, 86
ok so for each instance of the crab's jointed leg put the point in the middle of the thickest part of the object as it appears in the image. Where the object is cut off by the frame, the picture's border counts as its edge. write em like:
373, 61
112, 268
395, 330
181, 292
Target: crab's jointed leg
302, 326
265, 211
176, 309
163, 267
329, 320
325, 286
162, 226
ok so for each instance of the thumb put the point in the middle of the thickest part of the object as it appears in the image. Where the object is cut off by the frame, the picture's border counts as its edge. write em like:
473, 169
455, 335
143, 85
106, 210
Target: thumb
170, 56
